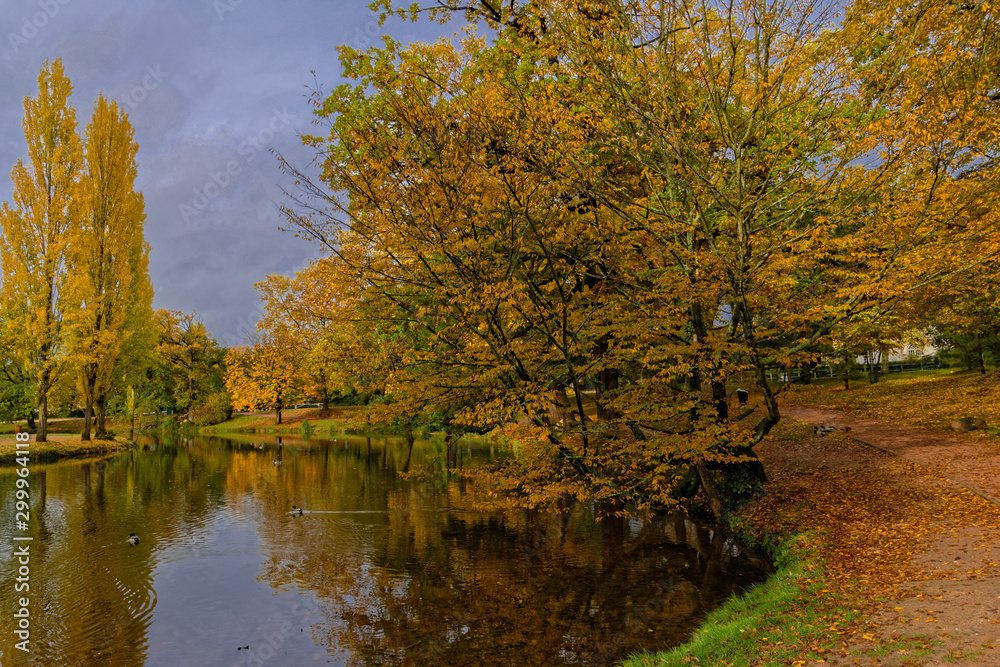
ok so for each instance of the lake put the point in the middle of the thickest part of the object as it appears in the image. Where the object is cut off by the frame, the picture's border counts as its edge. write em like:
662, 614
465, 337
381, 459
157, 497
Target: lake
380, 569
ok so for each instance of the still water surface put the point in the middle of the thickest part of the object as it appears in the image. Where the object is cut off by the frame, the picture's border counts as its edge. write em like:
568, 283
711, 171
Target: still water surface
380, 570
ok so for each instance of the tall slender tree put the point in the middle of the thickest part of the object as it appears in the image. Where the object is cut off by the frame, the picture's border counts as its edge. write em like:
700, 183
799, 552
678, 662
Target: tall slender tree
110, 260
38, 227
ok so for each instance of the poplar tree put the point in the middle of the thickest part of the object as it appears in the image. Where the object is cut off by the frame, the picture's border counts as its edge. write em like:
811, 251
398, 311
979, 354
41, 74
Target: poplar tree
110, 262
38, 228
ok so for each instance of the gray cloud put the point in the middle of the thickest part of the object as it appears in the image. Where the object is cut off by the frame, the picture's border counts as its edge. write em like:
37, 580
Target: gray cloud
211, 87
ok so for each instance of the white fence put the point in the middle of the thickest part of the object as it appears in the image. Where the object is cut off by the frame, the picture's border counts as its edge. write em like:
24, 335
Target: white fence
829, 371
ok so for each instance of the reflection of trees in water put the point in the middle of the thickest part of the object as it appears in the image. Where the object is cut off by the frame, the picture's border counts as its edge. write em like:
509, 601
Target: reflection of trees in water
463, 588
92, 595
422, 578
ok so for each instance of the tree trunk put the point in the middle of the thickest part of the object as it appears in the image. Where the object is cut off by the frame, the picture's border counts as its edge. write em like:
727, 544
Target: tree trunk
557, 407
714, 498
979, 356
89, 382
452, 451
88, 414
31, 420
719, 398
190, 396
43, 419
607, 383
847, 372
131, 413
102, 431
873, 367
409, 452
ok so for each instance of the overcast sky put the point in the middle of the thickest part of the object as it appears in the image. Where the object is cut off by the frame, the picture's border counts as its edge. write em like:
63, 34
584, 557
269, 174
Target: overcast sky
211, 86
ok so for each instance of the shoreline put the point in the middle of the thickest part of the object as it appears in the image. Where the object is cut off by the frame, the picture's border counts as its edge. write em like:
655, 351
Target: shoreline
885, 556
59, 446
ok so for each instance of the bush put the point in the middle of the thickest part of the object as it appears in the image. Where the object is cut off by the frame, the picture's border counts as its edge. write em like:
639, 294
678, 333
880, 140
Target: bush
214, 409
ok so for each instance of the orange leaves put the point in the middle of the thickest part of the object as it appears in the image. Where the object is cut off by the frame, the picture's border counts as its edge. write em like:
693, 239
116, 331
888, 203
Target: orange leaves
932, 401
632, 224
267, 374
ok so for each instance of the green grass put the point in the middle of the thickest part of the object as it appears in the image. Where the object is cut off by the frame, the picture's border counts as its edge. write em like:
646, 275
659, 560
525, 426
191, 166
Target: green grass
334, 423
42, 452
785, 617
916, 646
239, 424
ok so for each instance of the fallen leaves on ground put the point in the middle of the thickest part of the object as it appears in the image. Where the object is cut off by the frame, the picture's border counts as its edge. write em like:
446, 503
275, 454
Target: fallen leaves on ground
929, 400
872, 518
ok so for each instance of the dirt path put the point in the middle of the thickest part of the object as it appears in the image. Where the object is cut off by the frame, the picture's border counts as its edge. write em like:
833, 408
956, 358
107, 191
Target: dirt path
910, 512
971, 459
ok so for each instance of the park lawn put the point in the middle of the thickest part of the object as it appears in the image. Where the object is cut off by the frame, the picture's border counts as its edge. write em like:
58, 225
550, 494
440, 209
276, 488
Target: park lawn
57, 447
931, 399
72, 426
59, 425
333, 422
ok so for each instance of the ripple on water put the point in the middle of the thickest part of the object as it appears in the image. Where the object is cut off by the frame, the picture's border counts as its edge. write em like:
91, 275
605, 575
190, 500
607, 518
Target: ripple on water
97, 606
388, 572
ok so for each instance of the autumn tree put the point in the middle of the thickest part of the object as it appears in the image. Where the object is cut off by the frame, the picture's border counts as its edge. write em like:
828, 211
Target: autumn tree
302, 307
39, 225
193, 363
965, 317
110, 261
267, 373
651, 198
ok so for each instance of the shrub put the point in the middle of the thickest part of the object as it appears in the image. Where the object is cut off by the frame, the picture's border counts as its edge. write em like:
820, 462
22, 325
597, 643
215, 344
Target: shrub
216, 408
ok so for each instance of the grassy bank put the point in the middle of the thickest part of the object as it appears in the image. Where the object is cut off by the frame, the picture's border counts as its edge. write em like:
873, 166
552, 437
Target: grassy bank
322, 424
844, 522
801, 613
59, 447
785, 619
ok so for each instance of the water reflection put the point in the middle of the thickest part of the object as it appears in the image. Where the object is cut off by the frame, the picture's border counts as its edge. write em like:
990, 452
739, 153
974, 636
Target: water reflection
378, 570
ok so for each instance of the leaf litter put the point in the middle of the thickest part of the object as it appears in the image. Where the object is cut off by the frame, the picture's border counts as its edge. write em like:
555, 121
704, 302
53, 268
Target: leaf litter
911, 545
